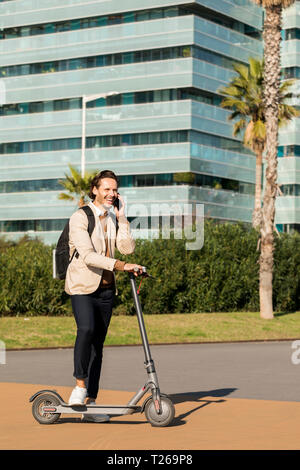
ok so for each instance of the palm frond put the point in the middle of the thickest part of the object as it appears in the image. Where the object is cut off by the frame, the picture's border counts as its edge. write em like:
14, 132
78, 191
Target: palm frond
234, 115
239, 126
286, 113
74, 183
256, 68
75, 174
242, 70
230, 90
65, 196
243, 96
286, 84
259, 130
237, 105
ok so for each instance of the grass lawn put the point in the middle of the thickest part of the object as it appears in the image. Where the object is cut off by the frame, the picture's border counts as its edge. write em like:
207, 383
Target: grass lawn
39, 332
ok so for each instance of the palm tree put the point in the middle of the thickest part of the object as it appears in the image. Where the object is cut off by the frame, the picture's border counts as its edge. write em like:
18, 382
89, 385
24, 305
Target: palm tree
271, 85
75, 184
244, 96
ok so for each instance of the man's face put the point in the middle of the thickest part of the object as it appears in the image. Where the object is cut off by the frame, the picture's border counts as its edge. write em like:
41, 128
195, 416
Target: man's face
106, 193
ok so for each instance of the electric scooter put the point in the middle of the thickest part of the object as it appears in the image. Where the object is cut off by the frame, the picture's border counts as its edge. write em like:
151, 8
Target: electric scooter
48, 405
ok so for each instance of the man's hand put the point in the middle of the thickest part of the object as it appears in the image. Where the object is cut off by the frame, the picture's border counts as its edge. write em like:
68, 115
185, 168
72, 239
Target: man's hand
121, 211
136, 269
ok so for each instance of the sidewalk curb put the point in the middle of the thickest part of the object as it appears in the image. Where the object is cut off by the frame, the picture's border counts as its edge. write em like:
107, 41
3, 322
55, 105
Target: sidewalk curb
162, 344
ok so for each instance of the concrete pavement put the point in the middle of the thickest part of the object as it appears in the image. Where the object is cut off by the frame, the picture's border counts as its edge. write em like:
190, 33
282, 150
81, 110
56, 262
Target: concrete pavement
226, 396
246, 370
201, 422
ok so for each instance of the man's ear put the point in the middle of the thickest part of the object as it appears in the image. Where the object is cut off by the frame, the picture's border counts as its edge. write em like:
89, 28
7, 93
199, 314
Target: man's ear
94, 190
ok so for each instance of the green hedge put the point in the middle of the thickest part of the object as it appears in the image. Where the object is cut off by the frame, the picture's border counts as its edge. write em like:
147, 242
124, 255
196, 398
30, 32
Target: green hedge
27, 286
221, 277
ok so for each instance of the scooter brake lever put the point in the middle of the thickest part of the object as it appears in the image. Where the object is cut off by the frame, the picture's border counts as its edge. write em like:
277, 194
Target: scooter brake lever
147, 275
144, 273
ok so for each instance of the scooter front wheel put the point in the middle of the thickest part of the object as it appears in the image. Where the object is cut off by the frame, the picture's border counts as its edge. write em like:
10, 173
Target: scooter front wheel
163, 419
45, 400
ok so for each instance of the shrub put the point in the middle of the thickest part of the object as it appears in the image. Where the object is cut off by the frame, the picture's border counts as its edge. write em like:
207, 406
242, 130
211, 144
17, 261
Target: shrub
223, 276
27, 286
286, 281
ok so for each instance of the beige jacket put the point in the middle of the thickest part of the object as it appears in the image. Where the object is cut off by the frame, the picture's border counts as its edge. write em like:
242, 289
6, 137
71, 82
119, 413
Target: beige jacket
84, 273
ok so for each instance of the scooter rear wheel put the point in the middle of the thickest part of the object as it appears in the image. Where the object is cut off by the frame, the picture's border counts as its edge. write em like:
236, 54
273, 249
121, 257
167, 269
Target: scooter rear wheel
45, 399
163, 419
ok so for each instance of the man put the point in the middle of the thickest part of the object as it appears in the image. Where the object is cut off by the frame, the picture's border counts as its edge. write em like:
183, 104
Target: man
90, 281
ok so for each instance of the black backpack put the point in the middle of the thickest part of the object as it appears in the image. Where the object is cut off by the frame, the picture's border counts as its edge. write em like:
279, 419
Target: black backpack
62, 252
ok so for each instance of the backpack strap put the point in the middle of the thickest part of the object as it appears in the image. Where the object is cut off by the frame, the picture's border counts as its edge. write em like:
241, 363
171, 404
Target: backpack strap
91, 225
91, 219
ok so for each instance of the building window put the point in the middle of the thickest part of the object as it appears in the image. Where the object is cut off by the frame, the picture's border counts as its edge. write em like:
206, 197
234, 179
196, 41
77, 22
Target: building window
129, 17
91, 142
35, 225
119, 59
163, 179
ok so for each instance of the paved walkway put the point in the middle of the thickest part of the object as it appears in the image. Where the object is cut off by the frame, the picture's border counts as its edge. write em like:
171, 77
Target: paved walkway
226, 396
202, 422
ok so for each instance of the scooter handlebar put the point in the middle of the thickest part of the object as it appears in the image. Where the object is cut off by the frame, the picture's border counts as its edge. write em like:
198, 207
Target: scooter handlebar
144, 273
136, 269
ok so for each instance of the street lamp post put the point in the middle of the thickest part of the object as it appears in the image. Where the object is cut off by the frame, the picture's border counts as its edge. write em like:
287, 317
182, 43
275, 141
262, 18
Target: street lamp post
86, 99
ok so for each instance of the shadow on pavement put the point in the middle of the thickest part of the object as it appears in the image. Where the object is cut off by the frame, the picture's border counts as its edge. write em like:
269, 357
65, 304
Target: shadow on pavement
197, 397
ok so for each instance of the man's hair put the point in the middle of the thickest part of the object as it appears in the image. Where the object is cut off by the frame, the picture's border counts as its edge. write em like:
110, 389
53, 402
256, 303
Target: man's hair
96, 181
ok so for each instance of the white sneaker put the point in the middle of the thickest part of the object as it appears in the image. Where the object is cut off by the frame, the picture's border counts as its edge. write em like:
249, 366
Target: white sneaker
95, 418
78, 396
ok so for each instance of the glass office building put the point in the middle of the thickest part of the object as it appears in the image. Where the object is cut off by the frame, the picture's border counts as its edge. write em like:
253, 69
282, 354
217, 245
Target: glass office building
288, 205
163, 131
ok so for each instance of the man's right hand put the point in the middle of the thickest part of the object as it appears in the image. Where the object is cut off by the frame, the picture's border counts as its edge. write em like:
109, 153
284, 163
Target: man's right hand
136, 269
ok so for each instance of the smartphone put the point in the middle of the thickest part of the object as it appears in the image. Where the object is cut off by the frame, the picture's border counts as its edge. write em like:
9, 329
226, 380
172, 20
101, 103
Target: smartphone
117, 202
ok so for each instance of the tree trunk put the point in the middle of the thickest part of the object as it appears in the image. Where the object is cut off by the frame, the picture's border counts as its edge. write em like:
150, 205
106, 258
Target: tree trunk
256, 216
272, 38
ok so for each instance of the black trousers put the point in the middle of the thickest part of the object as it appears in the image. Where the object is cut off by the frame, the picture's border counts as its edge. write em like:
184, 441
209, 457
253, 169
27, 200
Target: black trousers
92, 314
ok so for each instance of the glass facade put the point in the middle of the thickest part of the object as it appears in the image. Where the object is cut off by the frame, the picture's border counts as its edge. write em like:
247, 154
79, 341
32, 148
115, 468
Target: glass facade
130, 181
43, 225
147, 138
148, 96
163, 128
124, 18
293, 33
289, 151
291, 72
118, 59
287, 205
290, 189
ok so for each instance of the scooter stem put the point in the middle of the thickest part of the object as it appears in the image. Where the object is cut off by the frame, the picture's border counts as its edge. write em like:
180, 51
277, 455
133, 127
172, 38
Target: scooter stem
152, 382
139, 312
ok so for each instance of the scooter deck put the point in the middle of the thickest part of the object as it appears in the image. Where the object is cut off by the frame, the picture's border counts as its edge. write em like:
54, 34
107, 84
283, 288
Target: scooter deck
112, 410
63, 407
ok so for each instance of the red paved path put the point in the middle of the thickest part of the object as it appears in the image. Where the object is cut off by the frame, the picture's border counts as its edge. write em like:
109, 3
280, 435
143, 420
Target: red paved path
206, 423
